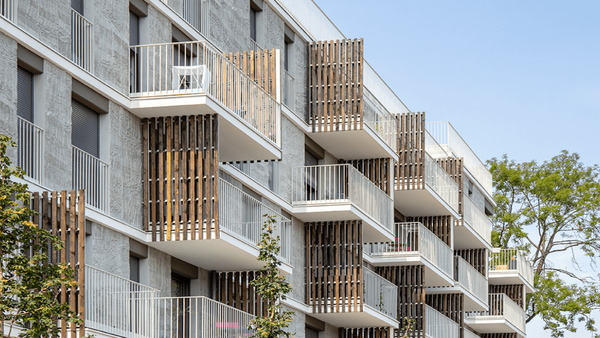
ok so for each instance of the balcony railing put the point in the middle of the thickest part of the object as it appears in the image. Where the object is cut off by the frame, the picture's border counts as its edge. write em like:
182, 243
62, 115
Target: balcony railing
91, 174
339, 183
412, 238
194, 68
288, 90
501, 305
470, 279
30, 148
380, 120
439, 326
82, 38
469, 334
380, 294
511, 260
477, 219
7, 9
448, 137
242, 217
438, 179
117, 305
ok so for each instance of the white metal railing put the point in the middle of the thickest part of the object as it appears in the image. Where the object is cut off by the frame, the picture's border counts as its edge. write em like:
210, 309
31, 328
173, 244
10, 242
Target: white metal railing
198, 317
30, 148
288, 90
438, 179
469, 334
501, 305
91, 174
439, 326
243, 216
512, 260
7, 9
380, 294
82, 41
471, 279
195, 67
339, 183
411, 238
381, 90
448, 137
433, 148
196, 13
380, 120
477, 219
118, 305
254, 45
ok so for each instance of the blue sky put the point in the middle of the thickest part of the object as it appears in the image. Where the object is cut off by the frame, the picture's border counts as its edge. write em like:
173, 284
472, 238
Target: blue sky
513, 77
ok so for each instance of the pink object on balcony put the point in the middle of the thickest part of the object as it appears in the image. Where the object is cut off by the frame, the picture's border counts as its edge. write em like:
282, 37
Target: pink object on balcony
228, 325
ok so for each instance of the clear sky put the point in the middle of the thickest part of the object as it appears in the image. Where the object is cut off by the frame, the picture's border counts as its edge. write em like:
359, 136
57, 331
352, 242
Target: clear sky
513, 77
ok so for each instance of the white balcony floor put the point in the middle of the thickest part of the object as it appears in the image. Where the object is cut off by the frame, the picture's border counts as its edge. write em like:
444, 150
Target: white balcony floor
369, 317
434, 276
422, 202
508, 277
353, 144
472, 303
492, 324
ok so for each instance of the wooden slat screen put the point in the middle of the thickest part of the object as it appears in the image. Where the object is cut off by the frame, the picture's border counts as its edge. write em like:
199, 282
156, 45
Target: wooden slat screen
441, 226
364, 332
260, 66
181, 177
234, 289
376, 170
450, 305
336, 85
476, 257
411, 293
514, 292
334, 280
63, 214
410, 169
454, 168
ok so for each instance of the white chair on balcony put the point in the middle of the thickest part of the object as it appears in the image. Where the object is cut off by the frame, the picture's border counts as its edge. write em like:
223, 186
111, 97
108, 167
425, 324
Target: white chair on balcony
192, 79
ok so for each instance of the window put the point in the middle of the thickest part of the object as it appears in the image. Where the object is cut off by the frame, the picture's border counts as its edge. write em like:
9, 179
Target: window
252, 23
180, 287
134, 40
25, 94
311, 333
28, 135
134, 269
286, 56
85, 133
77, 5
313, 174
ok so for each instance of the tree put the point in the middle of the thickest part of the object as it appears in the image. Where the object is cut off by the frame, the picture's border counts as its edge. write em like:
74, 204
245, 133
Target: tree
271, 286
548, 210
29, 285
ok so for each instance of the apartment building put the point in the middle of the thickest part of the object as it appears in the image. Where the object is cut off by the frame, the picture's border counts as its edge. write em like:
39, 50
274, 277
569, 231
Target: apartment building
156, 134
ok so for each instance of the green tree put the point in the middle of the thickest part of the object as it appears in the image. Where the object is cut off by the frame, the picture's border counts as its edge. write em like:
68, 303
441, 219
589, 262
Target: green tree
551, 210
29, 286
272, 286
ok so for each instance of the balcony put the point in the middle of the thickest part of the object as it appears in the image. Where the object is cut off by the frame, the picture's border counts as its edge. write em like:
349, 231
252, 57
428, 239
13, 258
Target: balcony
82, 38
192, 78
511, 266
228, 242
341, 192
7, 9
91, 174
476, 229
289, 90
504, 316
30, 142
415, 244
439, 326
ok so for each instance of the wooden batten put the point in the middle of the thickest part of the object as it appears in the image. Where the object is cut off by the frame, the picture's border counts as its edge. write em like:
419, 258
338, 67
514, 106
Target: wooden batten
376, 170
364, 332
441, 226
514, 292
450, 305
410, 169
454, 168
336, 85
411, 294
63, 215
234, 289
181, 177
477, 258
334, 266
260, 66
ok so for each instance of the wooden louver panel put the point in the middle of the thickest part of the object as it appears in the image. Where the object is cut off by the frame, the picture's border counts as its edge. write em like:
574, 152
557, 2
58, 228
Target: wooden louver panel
411, 294
63, 214
364, 332
477, 258
514, 292
410, 169
336, 85
234, 289
376, 170
450, 305
454, 168
334, 278
181, 177
260, 66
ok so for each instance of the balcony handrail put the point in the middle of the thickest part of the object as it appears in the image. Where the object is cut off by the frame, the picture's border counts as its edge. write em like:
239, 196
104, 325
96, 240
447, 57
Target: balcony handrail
512, 260
7, 9
439, 326
476, 219
441, 182
82, 38
501, 305
383, 123
379, 293
289, 92
242, 216
413, 238
471, 279
186, 68
469, 334
433, 148
91, 174
30, 148
335, 183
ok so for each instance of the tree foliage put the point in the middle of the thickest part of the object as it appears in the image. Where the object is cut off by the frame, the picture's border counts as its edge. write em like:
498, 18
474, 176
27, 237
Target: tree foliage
550, 210
29, 286
272, 286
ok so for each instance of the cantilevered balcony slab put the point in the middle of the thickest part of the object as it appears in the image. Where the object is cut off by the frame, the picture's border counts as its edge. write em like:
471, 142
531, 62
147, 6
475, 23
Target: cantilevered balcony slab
414, 245
504, 316
509, 267
190, 79
341, 192
474, 229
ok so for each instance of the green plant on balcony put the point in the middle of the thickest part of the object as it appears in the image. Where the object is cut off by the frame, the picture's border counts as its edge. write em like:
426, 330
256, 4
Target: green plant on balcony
407, 325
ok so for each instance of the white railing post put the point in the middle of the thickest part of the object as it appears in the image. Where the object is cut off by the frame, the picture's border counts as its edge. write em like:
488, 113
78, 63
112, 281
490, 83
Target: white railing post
30, 143
82, 43
379, 119
501, 305
92, 175
512, 260
439, 180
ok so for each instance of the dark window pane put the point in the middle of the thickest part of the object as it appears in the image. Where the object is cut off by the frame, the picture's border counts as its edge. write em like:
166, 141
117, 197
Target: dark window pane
252, 24
311, 333
134, 29
134, 269
25, 94
85, 133
77, 5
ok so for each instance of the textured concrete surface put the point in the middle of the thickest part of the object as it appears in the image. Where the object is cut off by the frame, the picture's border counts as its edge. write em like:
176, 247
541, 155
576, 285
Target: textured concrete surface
293, 155
159, 271
49, 21
297, 326
297, 278
108, 250
8, 92
155, 28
